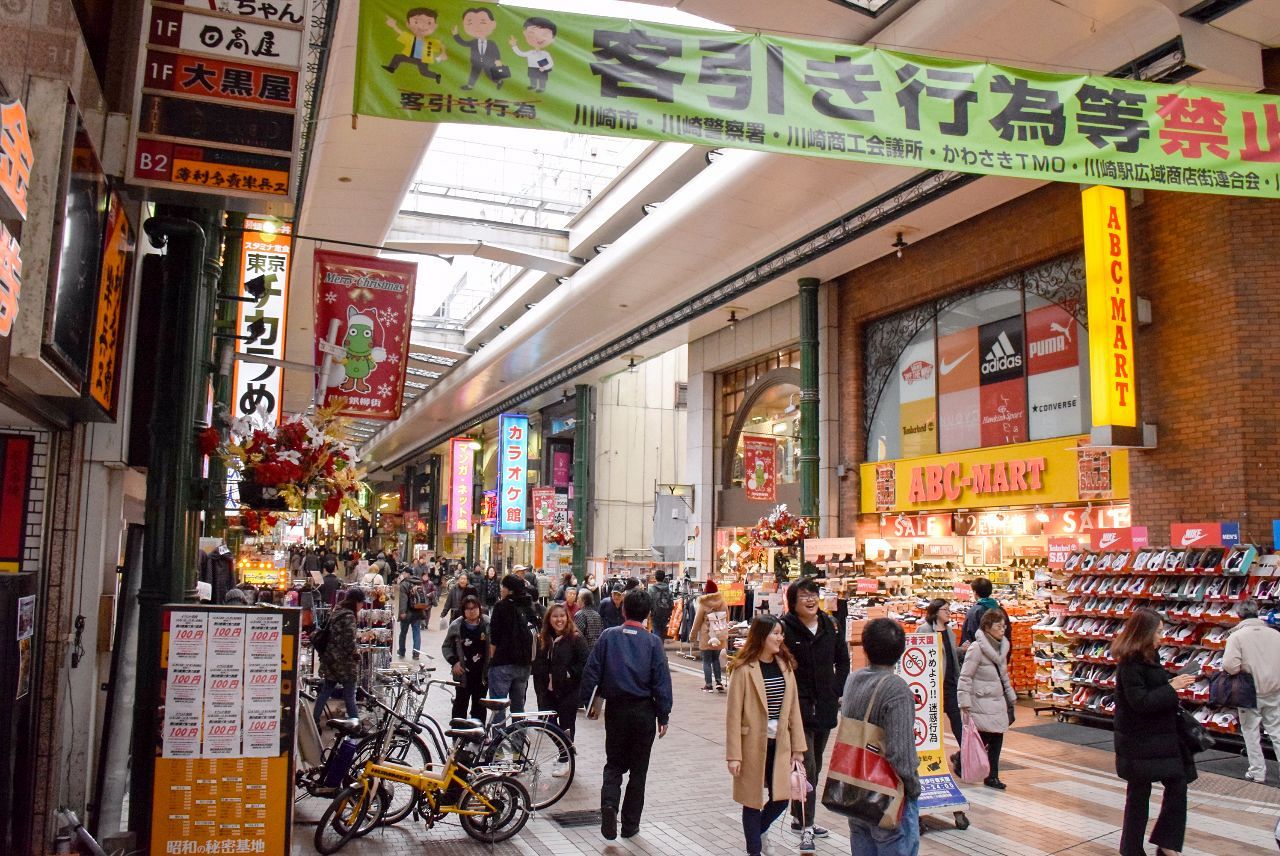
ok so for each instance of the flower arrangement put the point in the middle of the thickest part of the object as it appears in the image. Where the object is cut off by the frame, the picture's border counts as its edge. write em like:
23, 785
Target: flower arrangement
780, 528
301, 461
558, 533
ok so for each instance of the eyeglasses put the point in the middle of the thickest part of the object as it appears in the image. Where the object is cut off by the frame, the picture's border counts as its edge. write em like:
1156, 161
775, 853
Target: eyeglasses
807, 596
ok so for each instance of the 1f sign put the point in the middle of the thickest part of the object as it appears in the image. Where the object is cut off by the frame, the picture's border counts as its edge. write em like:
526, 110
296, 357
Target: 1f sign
1106, 258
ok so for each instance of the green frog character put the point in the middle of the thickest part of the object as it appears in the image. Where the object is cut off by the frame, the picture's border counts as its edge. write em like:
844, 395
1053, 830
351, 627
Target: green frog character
362, 357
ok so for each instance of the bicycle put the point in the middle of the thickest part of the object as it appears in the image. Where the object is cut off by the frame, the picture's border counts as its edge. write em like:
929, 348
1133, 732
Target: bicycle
542, 751
491, 805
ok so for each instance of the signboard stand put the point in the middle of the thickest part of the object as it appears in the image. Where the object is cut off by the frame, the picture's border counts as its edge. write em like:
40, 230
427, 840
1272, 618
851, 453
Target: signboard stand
921, 667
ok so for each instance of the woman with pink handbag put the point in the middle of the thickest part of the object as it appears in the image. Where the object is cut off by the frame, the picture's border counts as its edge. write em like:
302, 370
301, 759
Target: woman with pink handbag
764, 731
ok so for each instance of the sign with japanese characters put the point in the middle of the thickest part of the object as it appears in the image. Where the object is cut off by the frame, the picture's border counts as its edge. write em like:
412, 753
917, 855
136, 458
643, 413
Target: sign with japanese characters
461, 484
372, 299
921, 667
257, 387
16, 161
513, 472
759, 459
461, 61
218, 109
544, 505
103, 381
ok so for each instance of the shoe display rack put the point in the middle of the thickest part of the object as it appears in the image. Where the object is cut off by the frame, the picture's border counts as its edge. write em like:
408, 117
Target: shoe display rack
1194, 591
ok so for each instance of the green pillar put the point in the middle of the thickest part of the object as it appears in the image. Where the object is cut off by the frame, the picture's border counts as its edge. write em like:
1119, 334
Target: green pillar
809, 400
215, 522
581, 478
191, 241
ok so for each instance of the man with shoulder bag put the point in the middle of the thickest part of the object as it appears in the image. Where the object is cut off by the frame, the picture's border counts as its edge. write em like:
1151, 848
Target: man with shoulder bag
1253, 651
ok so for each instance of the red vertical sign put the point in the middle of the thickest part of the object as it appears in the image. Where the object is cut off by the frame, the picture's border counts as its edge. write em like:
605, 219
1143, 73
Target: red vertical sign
758, 476
15, 471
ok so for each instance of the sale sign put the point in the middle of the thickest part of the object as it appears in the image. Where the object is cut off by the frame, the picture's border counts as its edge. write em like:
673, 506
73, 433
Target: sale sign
513, 472
758, 457
1059, 550
461, 484
372, 301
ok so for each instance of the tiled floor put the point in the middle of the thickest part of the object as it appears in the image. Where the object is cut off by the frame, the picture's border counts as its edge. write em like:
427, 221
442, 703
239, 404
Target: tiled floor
1062, 799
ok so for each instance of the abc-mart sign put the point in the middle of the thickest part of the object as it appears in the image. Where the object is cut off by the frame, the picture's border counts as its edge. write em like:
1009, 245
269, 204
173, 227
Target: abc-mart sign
1039, 473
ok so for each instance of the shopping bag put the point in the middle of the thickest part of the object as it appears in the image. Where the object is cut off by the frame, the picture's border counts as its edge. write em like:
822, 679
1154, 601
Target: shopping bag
861, 782
974, 766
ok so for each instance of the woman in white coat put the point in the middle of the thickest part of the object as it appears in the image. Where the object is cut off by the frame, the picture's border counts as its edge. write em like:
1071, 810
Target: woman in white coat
985, 692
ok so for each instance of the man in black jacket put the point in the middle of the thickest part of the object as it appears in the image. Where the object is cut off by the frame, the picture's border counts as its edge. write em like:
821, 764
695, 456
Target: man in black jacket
822, 665
512, 629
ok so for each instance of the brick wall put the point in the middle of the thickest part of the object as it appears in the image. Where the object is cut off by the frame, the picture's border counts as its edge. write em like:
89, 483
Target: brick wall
1207, 368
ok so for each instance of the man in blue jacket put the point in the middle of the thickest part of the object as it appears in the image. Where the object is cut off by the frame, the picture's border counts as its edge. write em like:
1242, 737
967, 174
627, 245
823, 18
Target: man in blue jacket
630, 669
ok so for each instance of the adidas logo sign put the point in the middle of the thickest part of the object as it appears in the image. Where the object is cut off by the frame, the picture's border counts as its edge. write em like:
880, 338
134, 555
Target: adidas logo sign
1001, 357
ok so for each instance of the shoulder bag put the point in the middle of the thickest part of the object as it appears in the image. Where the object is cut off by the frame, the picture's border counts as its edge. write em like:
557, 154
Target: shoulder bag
861, 783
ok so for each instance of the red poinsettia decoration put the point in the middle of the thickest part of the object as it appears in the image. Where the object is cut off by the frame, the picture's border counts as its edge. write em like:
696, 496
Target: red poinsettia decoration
207, 441
780, 528
558, 533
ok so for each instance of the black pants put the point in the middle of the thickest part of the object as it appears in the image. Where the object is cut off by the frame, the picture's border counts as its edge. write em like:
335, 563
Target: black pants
630, 727
994, 743
1171, 825
817, 740
567, 719
470, 693
423, 68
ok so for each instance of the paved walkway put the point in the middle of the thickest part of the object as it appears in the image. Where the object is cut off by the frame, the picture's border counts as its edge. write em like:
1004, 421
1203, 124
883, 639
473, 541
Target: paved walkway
1062, 799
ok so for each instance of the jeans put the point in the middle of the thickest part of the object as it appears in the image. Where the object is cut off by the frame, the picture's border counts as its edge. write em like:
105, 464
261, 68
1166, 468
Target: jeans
710, 663
417, 636
1171, 825
994, 743
873, 841
508, 682
327, 690
816, 738
630, 727
1251, 723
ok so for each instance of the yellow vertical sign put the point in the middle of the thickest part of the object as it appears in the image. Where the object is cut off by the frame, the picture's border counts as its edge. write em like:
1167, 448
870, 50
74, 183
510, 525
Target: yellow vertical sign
1106, 258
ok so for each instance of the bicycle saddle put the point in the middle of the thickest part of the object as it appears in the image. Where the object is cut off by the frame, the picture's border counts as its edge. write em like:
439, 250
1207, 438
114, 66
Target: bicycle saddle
345, 726
462, 722
495, 703
465, 734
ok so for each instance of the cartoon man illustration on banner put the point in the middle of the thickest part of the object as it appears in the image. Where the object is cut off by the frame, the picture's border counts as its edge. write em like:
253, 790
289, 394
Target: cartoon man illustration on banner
486, 57
361, 357
539, 33
420, 50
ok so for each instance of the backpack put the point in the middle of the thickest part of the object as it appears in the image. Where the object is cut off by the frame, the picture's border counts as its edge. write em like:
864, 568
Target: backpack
320, 640
717, 630
663, 600
418, 598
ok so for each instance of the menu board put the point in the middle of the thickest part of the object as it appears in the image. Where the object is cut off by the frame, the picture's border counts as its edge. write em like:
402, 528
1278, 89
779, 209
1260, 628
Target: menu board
226, 737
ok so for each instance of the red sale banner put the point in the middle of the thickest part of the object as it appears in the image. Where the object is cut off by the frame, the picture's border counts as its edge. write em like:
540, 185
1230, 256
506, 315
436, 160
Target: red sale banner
372, 301
758, 456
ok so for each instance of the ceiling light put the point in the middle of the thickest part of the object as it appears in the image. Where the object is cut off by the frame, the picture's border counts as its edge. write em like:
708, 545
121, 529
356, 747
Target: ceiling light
733, 319
631, 365
650, 207
600, 248
530, 305
714, 155
899, 245
561, 280
502, 326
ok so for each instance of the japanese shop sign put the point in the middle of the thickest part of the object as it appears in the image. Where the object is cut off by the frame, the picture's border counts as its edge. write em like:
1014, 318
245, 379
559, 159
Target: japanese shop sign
372, 298
489, 507
1106, 259
544, 505
461, 484
921, 666
518, 67
103, 381
16, 162
258, 387
1043, 472
228, 684
218, 110
513, 472
759, 456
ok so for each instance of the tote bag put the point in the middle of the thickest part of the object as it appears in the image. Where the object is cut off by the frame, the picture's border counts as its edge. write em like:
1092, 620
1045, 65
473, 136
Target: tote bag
860, 781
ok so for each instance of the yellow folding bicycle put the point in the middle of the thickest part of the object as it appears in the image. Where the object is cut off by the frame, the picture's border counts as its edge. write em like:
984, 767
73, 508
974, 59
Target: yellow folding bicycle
490, 803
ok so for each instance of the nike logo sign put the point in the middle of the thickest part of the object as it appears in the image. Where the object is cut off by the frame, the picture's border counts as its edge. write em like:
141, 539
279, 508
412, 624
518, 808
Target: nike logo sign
946, 367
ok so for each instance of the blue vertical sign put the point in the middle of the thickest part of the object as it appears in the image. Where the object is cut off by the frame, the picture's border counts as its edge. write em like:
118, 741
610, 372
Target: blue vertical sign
513, 472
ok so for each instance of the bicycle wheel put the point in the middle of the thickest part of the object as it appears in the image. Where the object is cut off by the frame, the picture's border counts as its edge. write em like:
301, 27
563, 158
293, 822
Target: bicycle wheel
510, 809
349, 813
410, 751
540, 751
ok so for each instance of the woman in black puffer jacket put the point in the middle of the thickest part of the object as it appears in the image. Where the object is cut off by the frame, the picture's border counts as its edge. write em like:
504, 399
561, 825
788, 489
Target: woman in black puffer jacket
490, 588
1148, 746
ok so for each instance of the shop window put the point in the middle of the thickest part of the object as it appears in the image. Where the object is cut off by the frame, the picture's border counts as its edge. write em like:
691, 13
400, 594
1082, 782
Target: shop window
734, 383
1003, 363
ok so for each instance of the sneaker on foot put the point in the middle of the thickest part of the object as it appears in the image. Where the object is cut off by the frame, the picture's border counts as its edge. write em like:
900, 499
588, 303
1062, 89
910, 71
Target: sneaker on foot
708, 689
719, 688
560, 771
806, 842
818, 831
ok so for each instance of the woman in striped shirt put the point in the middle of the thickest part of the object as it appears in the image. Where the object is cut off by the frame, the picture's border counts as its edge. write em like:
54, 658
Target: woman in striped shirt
764, 731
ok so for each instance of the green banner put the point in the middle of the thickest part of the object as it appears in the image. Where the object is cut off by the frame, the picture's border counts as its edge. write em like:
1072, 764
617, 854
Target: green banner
506, 65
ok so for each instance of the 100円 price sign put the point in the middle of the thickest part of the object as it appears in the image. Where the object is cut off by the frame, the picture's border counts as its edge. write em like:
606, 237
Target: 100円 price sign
505, 65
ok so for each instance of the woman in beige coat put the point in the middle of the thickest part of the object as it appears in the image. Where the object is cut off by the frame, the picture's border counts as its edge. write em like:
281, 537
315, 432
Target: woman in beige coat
764, 731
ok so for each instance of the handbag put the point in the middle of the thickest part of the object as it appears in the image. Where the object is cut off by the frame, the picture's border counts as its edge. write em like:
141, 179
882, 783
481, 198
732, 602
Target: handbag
1236, 690
974, 764
800, 787
861, 783
1194, 736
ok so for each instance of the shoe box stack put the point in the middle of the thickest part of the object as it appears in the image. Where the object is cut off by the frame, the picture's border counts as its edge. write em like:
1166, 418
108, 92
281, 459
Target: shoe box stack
1194, 591
1050, 650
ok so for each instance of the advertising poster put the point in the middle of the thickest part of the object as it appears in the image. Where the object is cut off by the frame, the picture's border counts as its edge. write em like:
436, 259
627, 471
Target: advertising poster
1056, 406
959, 402
544, 505
921, 667
461, 484
228, 679
1003, 389
759, 458
918, 416
264, 257
372, 301
482, 64
103, 382
513, 472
